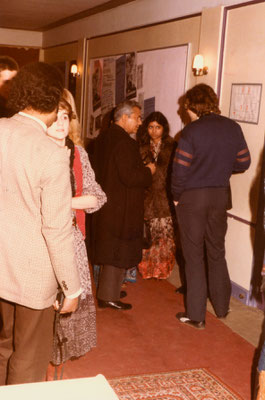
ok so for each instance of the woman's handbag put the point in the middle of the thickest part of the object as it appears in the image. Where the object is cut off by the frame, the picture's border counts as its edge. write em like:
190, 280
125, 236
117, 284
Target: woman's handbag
147, 239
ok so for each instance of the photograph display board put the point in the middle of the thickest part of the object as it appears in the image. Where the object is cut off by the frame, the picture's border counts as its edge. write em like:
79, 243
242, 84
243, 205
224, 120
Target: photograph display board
155, 78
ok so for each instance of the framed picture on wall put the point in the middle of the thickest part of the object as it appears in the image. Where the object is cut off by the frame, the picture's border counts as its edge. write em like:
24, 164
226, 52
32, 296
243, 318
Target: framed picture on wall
245, 102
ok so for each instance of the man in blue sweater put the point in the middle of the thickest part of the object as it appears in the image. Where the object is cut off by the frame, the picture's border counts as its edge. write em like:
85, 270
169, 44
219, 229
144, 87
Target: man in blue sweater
210, 149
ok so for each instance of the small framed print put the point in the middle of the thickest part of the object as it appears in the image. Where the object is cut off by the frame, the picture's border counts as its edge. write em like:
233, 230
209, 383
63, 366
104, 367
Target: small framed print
245, 102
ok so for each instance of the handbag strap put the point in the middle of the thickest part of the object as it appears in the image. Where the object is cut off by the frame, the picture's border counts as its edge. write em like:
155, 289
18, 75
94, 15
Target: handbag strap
61, 341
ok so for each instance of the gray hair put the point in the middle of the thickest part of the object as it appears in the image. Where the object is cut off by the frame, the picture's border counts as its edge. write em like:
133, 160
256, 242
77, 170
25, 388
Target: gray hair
126, 107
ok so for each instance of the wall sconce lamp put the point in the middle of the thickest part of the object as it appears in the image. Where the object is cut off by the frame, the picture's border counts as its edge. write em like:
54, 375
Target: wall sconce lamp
74, 70
198, 68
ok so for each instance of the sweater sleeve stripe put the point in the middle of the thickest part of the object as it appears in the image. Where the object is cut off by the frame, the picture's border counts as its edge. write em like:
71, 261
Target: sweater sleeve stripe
184, 153
243, 159
241, 152
182, 162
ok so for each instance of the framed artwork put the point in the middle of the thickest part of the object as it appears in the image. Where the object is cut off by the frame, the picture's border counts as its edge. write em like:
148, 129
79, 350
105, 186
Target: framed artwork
245, 102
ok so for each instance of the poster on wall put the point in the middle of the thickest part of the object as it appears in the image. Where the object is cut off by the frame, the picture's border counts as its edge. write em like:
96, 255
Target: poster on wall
108, 85
140, 74
149, 106
155, 78
96, 84
131, 76
245, 102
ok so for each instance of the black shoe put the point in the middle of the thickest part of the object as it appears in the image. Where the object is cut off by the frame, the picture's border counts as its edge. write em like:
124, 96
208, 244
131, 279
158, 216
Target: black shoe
117, 305
181, 290
225, 315
123, 294
182, 317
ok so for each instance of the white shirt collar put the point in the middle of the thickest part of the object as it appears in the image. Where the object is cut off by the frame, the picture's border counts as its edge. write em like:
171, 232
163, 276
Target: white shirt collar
35, 119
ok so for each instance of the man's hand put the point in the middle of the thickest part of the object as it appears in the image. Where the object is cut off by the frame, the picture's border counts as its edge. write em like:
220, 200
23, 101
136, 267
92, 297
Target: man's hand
176, 203
152, 167
69, 305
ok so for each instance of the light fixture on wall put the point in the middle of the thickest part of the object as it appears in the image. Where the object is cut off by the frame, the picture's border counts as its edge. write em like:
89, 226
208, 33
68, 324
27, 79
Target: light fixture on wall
198, 67
74, 70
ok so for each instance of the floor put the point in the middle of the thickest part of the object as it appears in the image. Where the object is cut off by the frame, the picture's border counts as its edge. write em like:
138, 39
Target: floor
243, 320
149, 339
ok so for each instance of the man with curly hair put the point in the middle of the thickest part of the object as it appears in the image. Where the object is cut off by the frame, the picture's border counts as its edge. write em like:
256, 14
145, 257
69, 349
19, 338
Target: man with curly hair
210, 149
36, 243
8, 70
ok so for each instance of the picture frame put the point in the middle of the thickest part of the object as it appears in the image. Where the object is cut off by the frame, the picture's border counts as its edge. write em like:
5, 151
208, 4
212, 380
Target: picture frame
245, 102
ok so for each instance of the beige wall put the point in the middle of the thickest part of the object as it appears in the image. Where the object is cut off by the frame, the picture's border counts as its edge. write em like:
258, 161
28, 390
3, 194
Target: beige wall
17, 37
129, 16
210, 42
68, 52
239, 252
244, 63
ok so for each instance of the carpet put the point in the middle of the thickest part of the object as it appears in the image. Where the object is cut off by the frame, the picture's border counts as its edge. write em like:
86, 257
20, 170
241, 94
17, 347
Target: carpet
192, 384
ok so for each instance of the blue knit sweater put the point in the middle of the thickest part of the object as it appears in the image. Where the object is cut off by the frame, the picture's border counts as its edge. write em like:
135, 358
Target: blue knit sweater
209, 151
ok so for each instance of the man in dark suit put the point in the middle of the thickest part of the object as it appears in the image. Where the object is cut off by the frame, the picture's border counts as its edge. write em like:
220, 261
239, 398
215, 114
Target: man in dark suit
117, 229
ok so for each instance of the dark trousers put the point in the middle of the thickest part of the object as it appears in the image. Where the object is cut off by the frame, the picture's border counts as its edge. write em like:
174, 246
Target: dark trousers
26, 338
203, 223
110, 281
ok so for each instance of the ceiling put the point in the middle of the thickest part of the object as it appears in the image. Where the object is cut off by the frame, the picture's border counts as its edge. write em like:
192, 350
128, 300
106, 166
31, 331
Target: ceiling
41, 15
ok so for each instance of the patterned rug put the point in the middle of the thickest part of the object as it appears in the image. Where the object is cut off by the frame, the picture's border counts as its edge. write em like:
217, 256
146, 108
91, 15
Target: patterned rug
192, 384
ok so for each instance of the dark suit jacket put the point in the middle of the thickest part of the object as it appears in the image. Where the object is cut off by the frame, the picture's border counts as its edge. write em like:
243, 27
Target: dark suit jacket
117, 228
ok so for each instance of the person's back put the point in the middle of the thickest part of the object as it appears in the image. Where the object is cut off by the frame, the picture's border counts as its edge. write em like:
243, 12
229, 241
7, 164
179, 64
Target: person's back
36, 239
23, 145
214, 141
211, 147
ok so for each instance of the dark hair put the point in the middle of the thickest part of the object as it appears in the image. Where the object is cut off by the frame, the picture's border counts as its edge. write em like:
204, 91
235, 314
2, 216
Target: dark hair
71, 146
143, 135
64, 105
201, 100
38, 86
9, 63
